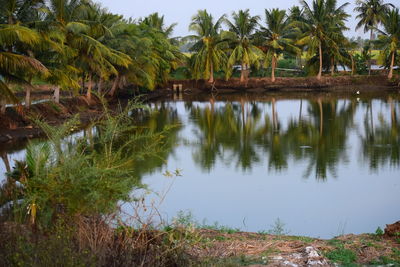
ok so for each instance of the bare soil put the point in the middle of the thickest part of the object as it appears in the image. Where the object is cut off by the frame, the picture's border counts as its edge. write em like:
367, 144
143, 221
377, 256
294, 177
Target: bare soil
253, 249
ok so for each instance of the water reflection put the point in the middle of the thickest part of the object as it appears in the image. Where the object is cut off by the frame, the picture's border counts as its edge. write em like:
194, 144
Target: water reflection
245, 132
248, 132
260, 157
380, 139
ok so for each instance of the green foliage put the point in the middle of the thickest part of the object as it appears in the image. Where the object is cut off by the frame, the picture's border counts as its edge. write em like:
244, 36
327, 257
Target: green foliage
379, 232
243, 51
209, 48
342, 256
84, 175
278, 228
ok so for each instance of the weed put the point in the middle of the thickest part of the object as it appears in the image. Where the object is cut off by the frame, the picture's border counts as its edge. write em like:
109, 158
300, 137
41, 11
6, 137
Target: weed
278, 228
343, 256
335, 243
379, 232
304, 239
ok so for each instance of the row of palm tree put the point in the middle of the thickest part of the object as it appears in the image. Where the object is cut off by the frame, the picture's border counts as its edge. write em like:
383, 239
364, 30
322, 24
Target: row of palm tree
73, 44
317, 28
77, 44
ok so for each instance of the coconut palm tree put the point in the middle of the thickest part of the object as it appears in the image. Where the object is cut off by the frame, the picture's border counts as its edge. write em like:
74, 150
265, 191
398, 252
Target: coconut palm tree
22, 13
242, 28
371, 13
16, 66
324, 21
81, 23
389, 38
209, 47
157, 22
277, 36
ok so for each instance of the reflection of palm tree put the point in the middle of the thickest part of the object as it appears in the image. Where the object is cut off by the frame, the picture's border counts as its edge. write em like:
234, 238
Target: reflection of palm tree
4, 157
381, 145
227, 132
325, 135
162, 119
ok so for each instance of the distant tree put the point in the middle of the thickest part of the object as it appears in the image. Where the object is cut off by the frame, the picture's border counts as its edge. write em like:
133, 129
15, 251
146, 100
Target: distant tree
370, 15
242, 27
209, 48
389, 38
277, 36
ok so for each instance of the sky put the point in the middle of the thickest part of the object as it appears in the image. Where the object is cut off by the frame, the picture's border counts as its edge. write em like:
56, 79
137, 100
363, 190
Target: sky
181, 11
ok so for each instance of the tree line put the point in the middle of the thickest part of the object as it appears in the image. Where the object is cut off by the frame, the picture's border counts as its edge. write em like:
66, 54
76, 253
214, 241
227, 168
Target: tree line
77, 44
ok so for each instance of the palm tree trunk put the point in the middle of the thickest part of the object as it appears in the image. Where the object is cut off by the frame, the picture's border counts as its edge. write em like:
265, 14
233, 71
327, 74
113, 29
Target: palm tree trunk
370, 53
391, 67
28, 93
211, 80
57, 94
320, 63
89, 90
28, 97
352, 65
99, 85
273, 69
115, 85
242, 74
2, 107
332, 66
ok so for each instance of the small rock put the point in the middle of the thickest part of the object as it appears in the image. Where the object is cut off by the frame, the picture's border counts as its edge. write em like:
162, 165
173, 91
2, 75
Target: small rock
311, 252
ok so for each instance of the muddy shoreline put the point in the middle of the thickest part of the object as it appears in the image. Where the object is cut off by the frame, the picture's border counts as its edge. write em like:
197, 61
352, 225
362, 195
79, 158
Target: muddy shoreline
301, 84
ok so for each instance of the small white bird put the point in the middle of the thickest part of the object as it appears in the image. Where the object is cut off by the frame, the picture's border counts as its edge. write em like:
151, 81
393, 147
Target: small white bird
358, 92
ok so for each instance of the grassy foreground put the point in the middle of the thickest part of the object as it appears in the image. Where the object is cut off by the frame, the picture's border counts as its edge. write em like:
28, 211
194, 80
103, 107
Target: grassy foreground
91, 242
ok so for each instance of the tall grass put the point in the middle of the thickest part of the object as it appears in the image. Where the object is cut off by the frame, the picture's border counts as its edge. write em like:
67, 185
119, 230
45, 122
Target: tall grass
61, 204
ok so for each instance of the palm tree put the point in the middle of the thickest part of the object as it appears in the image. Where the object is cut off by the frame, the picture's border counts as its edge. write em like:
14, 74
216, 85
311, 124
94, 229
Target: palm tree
157, 22
277, 36
16, 67
371, 13
14, 18
209, 46
389, 38
242, 27
82, 25
323, 23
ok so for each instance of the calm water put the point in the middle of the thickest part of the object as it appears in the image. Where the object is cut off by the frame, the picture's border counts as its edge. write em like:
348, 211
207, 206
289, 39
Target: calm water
323, 165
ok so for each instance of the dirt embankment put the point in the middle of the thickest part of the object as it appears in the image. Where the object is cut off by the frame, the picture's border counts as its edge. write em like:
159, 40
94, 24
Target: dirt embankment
17, 123
255, 249
286, 84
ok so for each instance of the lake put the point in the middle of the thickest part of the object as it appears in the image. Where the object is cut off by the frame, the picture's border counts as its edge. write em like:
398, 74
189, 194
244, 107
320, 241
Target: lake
321, 164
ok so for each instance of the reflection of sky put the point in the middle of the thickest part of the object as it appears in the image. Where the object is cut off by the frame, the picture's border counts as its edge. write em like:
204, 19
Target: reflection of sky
358, 200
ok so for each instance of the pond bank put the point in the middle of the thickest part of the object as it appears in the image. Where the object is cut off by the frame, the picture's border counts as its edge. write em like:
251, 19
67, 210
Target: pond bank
329, 83
185, 246
17, 124
258, 249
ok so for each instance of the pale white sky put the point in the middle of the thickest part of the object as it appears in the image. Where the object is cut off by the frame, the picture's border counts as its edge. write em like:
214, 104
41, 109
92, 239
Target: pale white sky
181, 11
